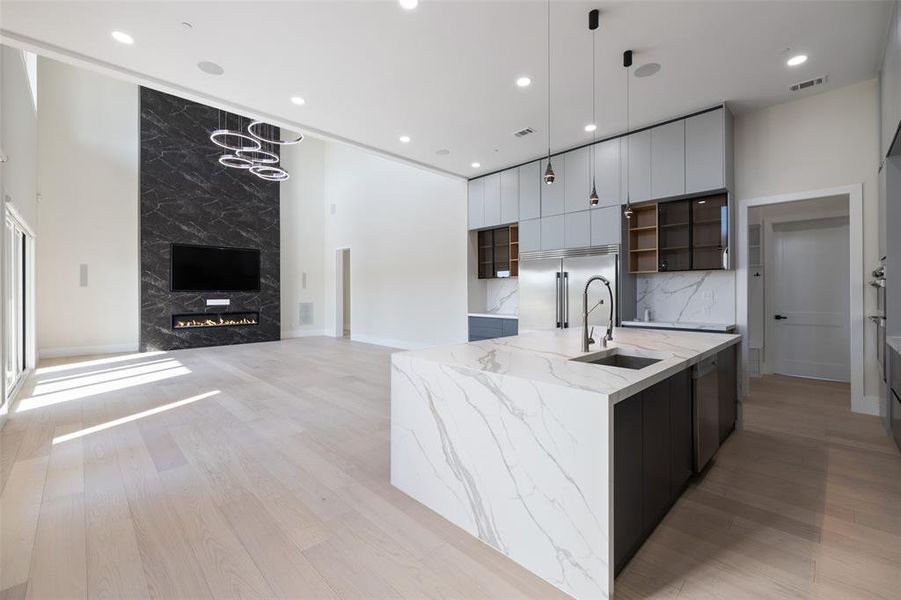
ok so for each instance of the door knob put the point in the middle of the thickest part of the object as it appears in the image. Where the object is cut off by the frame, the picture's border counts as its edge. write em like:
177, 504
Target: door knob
780, 317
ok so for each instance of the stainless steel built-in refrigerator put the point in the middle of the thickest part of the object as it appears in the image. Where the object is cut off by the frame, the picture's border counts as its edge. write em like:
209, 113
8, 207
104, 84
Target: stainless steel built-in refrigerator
551, 285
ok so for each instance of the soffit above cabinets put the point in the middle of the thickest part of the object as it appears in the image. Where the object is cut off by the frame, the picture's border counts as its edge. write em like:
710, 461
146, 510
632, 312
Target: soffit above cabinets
445, 73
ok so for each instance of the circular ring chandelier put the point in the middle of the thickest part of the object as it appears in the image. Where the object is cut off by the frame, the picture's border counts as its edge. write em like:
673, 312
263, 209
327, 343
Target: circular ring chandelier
256, 156
269, 173
253, 128
220, 137
235, 162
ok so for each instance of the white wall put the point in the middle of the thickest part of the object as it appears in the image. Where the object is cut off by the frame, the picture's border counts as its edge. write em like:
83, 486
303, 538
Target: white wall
18, 176
303, 237
406, 230
821, 141
88, 150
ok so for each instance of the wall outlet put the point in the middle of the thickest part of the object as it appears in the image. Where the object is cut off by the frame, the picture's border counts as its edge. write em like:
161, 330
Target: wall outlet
83, 275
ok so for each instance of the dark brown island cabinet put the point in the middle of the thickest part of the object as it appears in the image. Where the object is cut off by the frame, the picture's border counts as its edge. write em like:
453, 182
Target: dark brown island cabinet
653, 452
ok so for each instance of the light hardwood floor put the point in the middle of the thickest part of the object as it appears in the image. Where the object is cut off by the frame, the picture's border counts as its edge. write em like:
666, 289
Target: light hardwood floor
262, 471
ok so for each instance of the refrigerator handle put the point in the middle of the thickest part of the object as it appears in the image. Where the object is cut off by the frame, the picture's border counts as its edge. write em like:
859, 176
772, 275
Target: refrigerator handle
566, 299
557, 303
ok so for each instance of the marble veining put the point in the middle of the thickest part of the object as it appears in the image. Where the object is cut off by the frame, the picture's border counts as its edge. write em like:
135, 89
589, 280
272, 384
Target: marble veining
502, 295
511, 440
691, 296
186, 196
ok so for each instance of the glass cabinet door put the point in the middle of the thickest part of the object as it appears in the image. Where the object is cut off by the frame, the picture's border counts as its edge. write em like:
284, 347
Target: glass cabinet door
709, 232
674, 235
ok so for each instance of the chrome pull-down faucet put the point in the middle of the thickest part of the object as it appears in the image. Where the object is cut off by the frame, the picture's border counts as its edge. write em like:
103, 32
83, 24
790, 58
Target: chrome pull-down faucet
588, 338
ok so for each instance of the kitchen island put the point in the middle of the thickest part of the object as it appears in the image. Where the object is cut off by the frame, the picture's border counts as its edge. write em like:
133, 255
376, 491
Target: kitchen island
513, 440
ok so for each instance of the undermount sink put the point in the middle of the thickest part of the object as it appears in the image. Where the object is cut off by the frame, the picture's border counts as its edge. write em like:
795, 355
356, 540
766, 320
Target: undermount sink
614, 358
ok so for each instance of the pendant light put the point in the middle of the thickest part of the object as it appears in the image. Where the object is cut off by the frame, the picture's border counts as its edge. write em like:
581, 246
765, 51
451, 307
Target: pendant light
549, 176
627, 63
593, 18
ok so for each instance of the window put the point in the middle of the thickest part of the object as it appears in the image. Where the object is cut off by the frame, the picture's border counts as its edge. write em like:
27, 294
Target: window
31, 70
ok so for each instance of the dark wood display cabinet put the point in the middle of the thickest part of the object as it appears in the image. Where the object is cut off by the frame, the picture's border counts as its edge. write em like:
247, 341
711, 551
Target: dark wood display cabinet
679, 235
499, 252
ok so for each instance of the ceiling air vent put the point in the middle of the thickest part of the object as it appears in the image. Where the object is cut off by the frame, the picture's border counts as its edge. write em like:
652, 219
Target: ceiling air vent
809, 83
524, 132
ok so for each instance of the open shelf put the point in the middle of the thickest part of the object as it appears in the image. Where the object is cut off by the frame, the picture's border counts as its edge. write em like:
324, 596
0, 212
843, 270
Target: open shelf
643, 239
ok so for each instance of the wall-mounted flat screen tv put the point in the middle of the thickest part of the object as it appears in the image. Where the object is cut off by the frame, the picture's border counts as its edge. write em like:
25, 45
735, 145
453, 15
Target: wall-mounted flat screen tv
214, 269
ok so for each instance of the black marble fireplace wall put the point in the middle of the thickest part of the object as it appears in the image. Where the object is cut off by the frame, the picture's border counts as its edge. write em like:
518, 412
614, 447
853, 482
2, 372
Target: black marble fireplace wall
187, 197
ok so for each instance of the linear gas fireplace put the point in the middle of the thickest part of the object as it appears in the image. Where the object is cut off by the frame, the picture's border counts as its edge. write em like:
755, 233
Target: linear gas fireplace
210, 320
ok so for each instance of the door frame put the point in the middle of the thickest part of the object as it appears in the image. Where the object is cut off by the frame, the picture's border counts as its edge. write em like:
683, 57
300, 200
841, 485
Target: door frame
768, 361
8, 395
859, 402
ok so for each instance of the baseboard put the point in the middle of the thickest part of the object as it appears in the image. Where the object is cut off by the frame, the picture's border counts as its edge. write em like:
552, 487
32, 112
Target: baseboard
868, 405
86, 350
299, 333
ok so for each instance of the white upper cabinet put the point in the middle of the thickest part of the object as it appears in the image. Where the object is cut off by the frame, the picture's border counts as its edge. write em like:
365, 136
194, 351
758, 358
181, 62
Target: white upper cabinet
578, 183
608, 172
577, 229
530, 235
552, 232
606, 225
552, 195
668, 160
639, 149
509, 196
530, 191
705, 151
477, 203
493, 200
890, 84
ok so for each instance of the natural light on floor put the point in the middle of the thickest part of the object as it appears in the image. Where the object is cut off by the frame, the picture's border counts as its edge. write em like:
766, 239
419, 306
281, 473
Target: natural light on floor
75, 390
96, 362
130, 418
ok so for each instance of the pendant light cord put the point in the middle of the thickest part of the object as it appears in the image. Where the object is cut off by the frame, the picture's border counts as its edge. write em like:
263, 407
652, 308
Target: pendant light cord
628, 146
594, 132
549, 81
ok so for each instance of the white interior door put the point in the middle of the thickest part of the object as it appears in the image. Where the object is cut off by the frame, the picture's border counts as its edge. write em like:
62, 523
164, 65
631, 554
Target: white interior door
810, 301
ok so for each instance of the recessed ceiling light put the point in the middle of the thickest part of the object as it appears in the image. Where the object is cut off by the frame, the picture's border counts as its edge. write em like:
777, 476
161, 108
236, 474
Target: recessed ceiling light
798, 59
298, 100
590, 127
404, 139
210, 68
408, 4
187, 25
476, 165
524, 82
122, 37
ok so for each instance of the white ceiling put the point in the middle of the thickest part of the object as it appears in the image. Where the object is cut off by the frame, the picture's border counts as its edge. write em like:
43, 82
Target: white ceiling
445, 73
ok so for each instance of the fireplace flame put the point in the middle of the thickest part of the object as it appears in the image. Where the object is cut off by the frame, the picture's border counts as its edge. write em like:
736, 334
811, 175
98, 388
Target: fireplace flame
185, 323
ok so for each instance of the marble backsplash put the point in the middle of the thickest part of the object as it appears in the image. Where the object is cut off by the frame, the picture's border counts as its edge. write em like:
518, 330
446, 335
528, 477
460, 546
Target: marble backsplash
502, 296
687, 297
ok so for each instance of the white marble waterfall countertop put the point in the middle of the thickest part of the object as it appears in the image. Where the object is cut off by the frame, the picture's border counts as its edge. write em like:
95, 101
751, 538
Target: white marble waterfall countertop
545, 356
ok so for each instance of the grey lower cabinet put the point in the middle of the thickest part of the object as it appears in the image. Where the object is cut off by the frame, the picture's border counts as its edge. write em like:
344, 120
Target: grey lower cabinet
727, 380
652, 451
487, 328
530, 235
